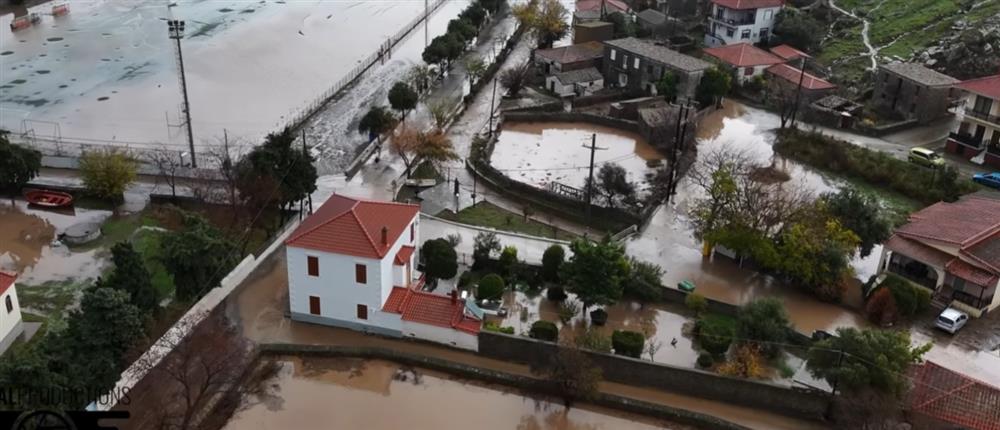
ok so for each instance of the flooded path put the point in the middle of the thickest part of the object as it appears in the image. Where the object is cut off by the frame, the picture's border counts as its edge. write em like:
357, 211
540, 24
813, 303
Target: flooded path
346, 393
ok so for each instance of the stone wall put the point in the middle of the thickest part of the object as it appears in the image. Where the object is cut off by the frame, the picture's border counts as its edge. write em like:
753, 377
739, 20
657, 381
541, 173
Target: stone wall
808, 404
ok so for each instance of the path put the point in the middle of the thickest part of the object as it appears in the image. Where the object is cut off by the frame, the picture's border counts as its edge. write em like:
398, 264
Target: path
872, 50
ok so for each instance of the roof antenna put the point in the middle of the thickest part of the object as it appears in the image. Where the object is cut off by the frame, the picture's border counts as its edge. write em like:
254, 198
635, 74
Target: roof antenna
385, 236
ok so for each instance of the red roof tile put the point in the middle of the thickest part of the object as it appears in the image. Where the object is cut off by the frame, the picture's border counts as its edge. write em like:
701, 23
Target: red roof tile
964, 222
432, 309
344, 225
988, 86
792, 74
395, 300
748, 4
918, 251
743, 55
404, 254
787, 52
971, 273
588, 51
953, 397
595, 5
6, 280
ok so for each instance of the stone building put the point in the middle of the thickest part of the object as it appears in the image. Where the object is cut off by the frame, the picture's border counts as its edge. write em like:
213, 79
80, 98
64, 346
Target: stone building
913, 91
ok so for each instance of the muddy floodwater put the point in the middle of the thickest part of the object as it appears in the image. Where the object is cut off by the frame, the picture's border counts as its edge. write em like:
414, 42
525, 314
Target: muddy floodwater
542, 152
319, 393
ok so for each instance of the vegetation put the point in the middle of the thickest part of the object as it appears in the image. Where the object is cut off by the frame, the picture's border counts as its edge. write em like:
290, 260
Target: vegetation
487, 214
440, 259
896, 297
696, 303
715, 84
449, 46
764, 322
705, 360
572, 375
612, 183
593, 340
107, 173
131, 276
515, 78
544, 330
491, 287
596, 271
667, 86
552, 261
508, 261
568, 310
881, 307
276, 174
546, 19
716, 332
856, 360
432, 147
18, 165
495, 327
475, 67
644, 281
628, 343
798, 29
745, 362
198, 257
377, 122
555, 294
402, 98
860, 213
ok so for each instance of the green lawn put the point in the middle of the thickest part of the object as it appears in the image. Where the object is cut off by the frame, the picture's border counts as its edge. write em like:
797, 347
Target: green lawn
486, 214
50, 298
147, 244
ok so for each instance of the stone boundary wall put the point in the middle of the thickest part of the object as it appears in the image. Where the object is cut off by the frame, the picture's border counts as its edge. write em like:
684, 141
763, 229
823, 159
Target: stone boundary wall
530, 384
796, 402
621, 124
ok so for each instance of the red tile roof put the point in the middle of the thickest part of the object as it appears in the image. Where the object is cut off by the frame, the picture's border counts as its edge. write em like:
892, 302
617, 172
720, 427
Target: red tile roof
748, 4
918, 251
743, 55
953, 397
971, 273
595, 5
988, 86
345, 225
588, 51
787, 52
964, 222
431, 309
792, 74
404, 254
6, 280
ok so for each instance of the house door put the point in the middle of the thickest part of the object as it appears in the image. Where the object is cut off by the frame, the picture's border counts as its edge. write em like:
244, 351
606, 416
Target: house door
622, 79
314, 305
980, 132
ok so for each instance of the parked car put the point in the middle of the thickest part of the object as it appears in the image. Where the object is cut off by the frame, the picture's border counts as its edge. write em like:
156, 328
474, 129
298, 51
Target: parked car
988, 179
951, 320
925, 157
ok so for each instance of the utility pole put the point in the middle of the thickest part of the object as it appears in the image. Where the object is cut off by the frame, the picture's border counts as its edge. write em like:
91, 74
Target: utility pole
475, 179
175, 29
492, 102
305, 152
680, 132
798, 91
427, 17
590, 177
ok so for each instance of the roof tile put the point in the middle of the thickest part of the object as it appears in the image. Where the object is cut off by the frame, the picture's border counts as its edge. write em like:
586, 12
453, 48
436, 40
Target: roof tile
988, 86
6, 280
792, 74
743, 55
748, 4
345, 225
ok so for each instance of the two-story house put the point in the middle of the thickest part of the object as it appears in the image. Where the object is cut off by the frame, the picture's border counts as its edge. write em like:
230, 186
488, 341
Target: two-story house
913, 91
979, 123
736, 21
11, 325
352, 264
952, 249
743, 60
638, 64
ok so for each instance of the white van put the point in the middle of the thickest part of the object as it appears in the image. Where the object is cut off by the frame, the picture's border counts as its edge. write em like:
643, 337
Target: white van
951, 320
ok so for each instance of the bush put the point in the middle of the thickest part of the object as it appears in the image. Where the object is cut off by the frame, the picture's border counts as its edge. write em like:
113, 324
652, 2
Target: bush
495, 327
490, 287
467, 278
552, 261
696, 302
568, 310
764, 322
644, 281
628, 343
881, 308
440, 259
715, 333
107, 173
909, 299
598, 317
747, 362
923, 299
555, 294
593, 340
508, 260
544, 330
705, 360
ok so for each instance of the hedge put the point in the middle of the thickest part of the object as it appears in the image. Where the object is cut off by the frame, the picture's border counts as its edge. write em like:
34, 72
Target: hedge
715, 333
544, 330
628, 343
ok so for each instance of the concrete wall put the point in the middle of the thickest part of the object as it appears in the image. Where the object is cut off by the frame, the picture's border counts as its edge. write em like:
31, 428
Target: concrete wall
806, 404
10, 322
446, 336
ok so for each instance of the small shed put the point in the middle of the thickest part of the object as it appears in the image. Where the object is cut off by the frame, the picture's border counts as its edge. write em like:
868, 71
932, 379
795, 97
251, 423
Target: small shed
575, 82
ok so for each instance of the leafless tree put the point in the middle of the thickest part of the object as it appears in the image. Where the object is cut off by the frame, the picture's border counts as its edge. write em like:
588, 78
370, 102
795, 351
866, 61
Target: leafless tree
652, 347
782, 96
168, 163
515, 78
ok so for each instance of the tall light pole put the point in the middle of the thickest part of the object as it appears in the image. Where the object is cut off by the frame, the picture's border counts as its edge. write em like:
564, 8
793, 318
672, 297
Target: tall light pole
175, 28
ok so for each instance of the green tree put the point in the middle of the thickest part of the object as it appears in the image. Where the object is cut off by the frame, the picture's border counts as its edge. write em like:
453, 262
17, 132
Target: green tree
552, 261
612, 182
714, 84
491, 287
572, 374
198, 257
130, 275
544, 330
485, 244
276, 173
763, 322
628, 343
377, 122
26, 367
437, 51
474, 68
463, 29
107, 173
855, 360
402, 98
508, 260
861, 213
440, 259
596, 271
546, 19
817, 253
474, 14
667, 86
644, 281
491, 6
798, 29
515, 78
18, 165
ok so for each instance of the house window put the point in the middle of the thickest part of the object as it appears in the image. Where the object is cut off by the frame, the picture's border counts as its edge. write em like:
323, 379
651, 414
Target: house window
313, 263
916, 91
9, 303
635, 63
649, 70
413, 232
730, 32
612, 55
362, 312
314, 305
745, 35
763, 34
360, 273
747, 71
768, 14
983, 105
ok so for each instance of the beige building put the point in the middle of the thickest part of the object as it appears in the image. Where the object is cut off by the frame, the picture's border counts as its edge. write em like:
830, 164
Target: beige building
979, 123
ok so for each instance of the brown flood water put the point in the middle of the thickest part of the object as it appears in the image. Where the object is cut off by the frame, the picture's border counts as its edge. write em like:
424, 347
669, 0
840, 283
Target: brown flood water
313, 393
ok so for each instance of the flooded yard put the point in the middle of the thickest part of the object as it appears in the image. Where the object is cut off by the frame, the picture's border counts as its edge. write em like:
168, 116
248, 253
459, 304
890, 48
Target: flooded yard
542, 152
346, 393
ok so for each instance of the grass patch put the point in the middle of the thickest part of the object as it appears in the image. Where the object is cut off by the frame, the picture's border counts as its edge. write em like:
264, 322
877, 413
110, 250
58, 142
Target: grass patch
426, 170
147, 244
50, 298
486, 214
119, 228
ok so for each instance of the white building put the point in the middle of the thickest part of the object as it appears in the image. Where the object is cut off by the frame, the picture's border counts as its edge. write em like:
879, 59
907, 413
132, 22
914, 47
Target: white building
352, 264
11, 325
736, 21
583, 82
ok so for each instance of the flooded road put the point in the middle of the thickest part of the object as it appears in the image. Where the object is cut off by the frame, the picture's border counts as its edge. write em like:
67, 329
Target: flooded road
344, 393
542, 152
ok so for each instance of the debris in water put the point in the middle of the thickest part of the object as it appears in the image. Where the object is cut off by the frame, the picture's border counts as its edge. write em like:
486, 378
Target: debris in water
103, 98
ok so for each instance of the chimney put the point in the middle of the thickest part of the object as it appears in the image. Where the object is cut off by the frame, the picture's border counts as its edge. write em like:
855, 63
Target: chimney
385, 236
454, 297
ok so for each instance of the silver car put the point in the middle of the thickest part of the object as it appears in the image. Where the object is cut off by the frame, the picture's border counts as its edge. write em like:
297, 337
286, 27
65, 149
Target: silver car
951, 320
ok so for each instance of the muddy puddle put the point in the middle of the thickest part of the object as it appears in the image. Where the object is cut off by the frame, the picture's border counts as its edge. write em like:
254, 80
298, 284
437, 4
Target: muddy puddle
344, 393
543, 152
29, 246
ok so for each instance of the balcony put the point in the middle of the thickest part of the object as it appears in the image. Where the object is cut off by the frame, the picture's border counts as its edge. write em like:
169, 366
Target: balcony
915, 272
966, 139
985, 116
972, 300
734, 21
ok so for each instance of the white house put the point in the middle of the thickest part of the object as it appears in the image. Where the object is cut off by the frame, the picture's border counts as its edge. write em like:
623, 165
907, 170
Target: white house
581, 82
735, 21
743, 60
352, 264
11, 325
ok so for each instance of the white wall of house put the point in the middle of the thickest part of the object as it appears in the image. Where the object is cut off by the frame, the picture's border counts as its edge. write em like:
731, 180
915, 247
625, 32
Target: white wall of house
745, 74
447, 336
763, 23
10, 320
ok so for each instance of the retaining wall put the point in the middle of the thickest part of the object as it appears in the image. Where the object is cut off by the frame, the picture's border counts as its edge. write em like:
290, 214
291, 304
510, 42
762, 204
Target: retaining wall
808, 404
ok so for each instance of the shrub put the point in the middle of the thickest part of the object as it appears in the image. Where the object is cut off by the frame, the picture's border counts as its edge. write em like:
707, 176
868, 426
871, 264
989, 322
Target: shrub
766, 322
705, 360
107, 173
881, 308
696, 302
552, 261
644, 281
467, 278
508, 260
440, 259
555, 294
490, 287
494, 326
568, 310
715, 333
598, 316
544, 330
747, 362
923, 299
593, 340
628, 343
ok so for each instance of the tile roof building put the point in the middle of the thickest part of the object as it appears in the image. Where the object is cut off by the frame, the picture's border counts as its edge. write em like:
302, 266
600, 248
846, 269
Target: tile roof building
788, 53
953, 398
567, 58
793, 76
978, 130
11, 324
638, 64
741, 21
352, 264
913, 91
743, 59
952, 249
